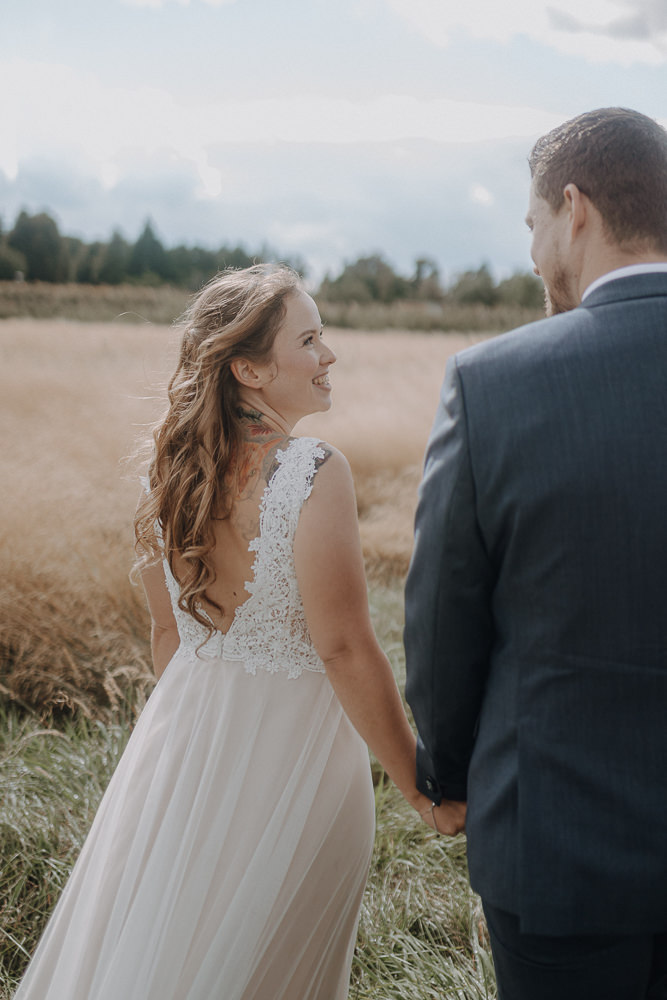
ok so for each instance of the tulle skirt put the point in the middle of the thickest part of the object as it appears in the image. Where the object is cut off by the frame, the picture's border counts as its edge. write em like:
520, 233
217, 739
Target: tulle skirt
229, 854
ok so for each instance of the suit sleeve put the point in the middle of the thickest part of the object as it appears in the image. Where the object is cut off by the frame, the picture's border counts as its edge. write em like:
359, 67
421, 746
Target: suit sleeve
449, 626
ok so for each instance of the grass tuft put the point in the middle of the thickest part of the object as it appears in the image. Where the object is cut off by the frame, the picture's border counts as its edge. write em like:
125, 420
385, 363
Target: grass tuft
52, 781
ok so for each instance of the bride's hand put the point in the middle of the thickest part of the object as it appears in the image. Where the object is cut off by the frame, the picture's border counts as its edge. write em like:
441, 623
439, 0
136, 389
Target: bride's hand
448, 818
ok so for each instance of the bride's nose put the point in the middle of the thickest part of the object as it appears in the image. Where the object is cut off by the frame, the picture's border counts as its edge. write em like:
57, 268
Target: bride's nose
327, 357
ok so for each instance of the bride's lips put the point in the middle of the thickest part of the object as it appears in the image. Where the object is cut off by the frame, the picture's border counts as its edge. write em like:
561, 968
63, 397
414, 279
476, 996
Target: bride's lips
322, 381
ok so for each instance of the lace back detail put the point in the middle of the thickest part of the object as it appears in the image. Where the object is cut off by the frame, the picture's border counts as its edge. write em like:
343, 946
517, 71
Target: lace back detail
269, 630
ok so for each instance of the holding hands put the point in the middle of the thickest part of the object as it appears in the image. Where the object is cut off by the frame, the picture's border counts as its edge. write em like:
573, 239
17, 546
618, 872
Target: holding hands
449, 818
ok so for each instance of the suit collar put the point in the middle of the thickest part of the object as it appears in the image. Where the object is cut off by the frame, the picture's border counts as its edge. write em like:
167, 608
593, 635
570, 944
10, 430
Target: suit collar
634, 286
647, 267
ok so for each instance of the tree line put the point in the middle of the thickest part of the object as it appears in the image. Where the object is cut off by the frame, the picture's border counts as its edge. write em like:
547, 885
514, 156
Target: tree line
35, 250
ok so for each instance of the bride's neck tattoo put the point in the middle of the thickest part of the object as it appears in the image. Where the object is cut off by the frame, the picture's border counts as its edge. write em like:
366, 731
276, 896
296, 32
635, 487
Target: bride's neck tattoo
254, 416
255, 422
255, 464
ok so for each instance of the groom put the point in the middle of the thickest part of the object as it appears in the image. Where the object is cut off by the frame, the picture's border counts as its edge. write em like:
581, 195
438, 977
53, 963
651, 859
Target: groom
536, 603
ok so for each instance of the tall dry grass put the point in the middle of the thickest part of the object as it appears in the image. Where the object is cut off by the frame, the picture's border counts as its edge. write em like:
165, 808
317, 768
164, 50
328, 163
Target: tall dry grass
413, 314
91, 303
73, 630
76, 399
163, 303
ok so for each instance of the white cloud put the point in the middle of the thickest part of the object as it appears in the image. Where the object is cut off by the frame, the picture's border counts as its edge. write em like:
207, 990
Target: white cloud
73, 116
381, 119
481, 195
620, 31
643, 20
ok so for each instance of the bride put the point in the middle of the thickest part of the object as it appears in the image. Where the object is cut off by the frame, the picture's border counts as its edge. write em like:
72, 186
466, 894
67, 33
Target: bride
229, 854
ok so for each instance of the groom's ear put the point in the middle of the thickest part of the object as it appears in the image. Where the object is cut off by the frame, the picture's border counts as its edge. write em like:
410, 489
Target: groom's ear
250, 374
578, 208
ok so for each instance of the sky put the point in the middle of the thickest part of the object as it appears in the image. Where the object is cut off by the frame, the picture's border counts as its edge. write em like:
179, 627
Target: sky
326, 130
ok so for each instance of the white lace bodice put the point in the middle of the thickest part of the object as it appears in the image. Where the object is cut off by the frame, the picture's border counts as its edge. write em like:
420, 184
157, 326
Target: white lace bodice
269, 630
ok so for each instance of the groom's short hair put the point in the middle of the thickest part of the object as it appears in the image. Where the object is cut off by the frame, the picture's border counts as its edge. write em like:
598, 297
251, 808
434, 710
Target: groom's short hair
618, 159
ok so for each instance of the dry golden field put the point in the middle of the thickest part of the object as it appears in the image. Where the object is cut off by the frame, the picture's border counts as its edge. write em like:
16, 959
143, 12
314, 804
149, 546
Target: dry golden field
77, 400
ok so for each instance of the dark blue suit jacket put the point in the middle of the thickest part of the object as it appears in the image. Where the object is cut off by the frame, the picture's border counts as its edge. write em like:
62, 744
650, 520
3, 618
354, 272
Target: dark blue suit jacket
536, 613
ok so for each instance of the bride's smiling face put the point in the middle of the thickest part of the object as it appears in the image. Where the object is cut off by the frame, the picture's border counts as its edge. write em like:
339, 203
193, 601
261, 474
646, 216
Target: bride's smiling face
299, 362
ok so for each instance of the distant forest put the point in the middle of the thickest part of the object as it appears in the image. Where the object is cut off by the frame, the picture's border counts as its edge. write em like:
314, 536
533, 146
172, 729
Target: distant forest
34, 250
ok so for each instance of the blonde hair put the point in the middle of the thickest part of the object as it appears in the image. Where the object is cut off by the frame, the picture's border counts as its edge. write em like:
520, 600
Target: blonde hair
236, 315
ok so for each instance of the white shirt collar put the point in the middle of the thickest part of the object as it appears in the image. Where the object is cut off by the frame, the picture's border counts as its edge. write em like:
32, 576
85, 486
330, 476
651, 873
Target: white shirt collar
625, 272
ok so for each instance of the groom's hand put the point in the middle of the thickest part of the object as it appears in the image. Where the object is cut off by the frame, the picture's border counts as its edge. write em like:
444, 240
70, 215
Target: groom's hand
449, 818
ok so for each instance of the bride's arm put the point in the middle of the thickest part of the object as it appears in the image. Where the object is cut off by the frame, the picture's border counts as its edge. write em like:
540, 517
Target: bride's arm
164, 633
330, 573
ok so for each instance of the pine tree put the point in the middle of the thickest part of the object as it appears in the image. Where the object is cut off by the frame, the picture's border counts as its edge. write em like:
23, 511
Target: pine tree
38, 239
148, 259
115, 262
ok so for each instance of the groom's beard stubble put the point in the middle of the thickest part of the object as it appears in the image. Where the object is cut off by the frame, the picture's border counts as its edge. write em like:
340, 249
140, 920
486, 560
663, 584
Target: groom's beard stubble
551, 307
557, 296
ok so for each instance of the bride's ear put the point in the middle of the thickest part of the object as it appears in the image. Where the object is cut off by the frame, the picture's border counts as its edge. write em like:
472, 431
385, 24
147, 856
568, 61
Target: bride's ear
250, 375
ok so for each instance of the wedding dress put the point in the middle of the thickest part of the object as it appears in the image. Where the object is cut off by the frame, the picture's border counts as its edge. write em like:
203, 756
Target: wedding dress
229, 854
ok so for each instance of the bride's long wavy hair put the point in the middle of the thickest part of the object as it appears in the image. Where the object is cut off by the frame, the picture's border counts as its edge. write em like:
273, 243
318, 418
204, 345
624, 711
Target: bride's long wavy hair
236, 315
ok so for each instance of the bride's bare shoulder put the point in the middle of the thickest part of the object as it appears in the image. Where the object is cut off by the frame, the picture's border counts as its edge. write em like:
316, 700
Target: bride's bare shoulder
328, 531
333, 476
332, 459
